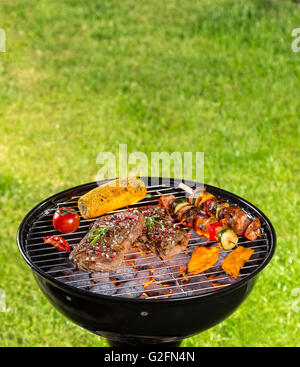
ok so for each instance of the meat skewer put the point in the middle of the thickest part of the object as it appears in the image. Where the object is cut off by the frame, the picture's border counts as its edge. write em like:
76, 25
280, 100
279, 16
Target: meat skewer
191, 216
212, 216
230, 215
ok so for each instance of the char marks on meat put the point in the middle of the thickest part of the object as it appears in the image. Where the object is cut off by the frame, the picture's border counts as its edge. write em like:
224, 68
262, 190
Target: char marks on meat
103, 247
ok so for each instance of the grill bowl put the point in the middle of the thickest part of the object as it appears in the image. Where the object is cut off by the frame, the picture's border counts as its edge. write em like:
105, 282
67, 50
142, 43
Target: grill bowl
125, 321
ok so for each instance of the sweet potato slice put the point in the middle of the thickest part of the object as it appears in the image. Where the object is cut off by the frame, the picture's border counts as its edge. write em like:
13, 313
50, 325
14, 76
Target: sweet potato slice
202, 259
233, 263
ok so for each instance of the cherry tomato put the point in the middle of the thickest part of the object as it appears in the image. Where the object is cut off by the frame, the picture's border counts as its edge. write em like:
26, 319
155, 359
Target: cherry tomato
58, 242
66, 220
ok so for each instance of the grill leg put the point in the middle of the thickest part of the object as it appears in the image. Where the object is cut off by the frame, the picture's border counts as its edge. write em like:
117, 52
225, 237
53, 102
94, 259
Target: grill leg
117, 344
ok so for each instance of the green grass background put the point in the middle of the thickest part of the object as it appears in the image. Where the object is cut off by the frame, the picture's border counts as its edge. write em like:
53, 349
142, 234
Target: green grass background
80, 77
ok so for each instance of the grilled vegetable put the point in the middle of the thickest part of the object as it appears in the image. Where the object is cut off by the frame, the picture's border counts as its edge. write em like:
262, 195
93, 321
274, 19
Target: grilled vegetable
57, 242
210, 205
179, 203
196, 193
212, 230
111, 196
202, 259
65, 220
228, 239
199, 220
201, 199
219, 207
204, 225
233, 263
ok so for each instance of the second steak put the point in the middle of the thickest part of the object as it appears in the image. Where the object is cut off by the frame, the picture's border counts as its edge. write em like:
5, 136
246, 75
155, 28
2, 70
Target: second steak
160, 235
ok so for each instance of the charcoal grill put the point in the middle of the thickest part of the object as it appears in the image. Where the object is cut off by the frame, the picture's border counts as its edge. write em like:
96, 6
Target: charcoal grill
162, 319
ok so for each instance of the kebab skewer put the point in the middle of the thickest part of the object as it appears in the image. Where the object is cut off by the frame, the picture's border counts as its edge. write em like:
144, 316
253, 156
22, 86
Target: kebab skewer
230, 215
212, 217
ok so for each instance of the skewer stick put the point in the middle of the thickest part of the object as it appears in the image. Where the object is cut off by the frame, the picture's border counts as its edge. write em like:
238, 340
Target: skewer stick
186, 188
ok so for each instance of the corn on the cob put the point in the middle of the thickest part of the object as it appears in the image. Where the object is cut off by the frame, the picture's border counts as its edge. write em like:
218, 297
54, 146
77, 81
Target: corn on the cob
111, 196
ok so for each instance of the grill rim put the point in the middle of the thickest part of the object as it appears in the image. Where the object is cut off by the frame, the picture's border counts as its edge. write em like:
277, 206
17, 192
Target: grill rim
38, 209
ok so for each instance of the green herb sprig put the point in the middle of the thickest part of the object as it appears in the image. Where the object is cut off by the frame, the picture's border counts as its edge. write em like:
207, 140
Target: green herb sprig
99, 234
151, 222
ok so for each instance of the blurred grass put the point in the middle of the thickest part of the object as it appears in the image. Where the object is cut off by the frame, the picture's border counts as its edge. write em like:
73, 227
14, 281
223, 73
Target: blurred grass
81, 77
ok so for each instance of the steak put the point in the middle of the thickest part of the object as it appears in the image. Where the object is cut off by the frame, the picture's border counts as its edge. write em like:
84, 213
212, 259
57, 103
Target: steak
160, 234
102, 249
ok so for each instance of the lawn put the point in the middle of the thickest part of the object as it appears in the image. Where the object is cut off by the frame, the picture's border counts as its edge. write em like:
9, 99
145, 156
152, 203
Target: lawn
81, 77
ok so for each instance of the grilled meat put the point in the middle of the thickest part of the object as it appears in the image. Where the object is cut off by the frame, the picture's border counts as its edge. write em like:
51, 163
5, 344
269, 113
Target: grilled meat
235, 218
253, 230
204, 209
231, 216
160, 234
109, 237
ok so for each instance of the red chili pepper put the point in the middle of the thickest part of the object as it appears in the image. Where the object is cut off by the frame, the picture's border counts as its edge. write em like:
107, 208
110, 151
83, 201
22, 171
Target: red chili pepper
212, 230
58, 242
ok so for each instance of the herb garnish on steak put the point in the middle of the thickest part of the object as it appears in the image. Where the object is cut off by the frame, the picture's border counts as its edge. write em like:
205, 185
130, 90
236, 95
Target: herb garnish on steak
160, 234
109, 237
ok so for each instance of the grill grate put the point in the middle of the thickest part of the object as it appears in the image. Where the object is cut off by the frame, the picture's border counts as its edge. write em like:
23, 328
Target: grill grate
46, 257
